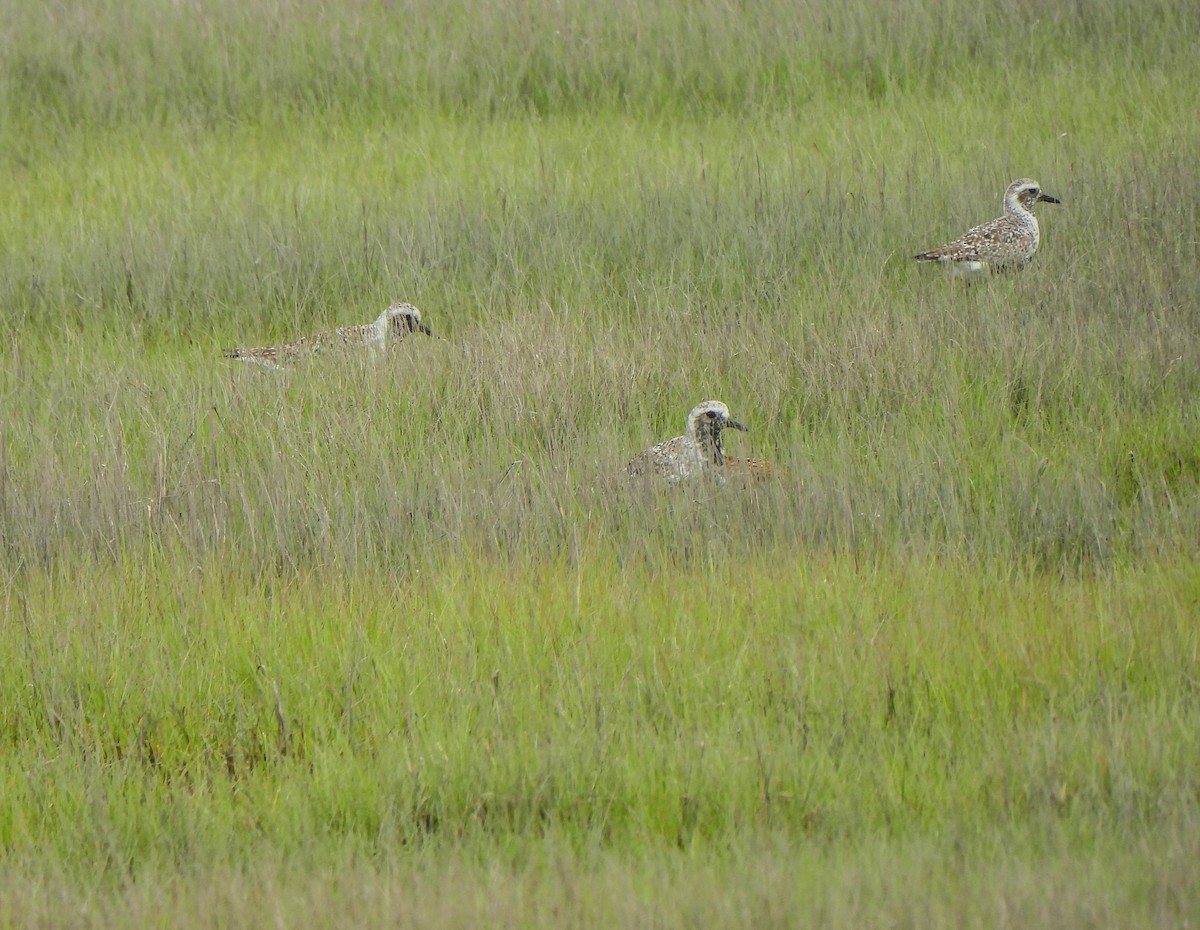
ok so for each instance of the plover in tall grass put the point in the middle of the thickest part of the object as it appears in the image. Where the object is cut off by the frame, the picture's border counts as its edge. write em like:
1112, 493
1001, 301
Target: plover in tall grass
697, 452
396, 322
1007, 242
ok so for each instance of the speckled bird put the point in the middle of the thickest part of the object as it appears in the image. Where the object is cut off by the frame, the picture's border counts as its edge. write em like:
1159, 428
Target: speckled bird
1007, 242
396, 322
697, 452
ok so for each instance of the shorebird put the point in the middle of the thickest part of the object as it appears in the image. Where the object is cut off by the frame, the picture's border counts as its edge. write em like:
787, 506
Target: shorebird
697, 452
396, 322
1007, 242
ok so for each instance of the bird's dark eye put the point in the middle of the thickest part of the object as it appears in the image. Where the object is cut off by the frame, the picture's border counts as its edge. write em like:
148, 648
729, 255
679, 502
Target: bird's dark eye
712, 414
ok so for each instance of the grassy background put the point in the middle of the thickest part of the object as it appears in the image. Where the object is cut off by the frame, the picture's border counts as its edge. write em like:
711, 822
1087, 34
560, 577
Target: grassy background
397, 642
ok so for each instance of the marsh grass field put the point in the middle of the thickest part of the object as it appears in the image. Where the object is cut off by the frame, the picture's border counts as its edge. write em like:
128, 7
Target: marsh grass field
398, 643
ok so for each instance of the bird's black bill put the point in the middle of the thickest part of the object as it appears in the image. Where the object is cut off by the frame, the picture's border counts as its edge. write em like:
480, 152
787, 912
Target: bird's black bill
1048, 198
427, 331
734, 424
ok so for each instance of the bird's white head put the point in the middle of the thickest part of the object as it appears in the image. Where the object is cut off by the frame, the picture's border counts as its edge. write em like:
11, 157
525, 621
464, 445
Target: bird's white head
707, 419
1023, 193
402, 319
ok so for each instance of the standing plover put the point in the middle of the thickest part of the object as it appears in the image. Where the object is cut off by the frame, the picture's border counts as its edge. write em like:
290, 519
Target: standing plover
396, 322
698, 451
1008, 241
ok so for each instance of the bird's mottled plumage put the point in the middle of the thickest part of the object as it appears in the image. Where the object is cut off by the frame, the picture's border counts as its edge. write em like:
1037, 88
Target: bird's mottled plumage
697, 452
1007, 242
396, 322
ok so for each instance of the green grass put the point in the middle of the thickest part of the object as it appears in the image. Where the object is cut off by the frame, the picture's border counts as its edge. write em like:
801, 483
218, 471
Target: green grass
396, 643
